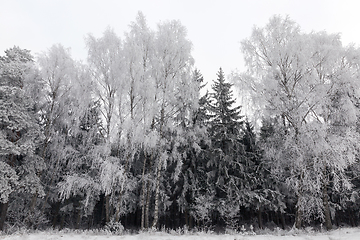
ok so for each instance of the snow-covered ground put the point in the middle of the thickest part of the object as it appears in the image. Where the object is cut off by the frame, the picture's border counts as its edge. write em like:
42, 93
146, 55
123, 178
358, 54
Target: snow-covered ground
340, 234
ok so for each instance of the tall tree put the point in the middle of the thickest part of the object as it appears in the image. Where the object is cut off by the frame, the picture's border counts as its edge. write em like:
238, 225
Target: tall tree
20, 134
226, 165
59, 111
80, 185
271, 190
139, 51
190, 179
171, 70
295, 74
105, 56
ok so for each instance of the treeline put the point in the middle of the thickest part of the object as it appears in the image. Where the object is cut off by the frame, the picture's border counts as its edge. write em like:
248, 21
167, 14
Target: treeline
132, 138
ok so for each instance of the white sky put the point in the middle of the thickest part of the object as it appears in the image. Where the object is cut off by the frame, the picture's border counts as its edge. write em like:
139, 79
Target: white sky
214, 27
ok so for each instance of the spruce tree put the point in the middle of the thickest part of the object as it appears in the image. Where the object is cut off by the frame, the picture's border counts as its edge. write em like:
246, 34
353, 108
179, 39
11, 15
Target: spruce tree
226, 159
193, 150
226, 121
266, 195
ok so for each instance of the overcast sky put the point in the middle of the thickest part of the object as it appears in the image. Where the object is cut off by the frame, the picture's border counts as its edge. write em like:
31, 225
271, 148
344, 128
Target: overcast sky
214, 27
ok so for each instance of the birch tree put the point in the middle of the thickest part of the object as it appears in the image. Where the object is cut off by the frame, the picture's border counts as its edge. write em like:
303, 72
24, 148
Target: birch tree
139, 53
295, 74
58, 109
79, 188
105, 57
171, 70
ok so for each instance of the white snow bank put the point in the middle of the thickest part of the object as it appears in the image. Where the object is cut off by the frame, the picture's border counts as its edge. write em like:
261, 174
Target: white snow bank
340, 234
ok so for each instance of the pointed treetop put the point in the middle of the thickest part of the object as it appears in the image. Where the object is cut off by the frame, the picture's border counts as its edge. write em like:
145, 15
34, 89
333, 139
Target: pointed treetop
221, 105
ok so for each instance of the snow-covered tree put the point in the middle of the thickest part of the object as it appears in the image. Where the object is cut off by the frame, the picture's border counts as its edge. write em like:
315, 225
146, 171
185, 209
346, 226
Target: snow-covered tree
186, 180
295, 75
174, 92
20, 135
139, 51
105, 57
226, 168
59, 109
80, 187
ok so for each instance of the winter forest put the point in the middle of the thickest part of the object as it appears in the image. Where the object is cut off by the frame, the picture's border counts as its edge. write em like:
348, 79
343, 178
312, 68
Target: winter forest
135, 138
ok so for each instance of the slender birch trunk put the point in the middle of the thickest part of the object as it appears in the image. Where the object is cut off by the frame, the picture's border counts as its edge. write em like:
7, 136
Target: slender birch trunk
157, 195
147, 206
143, 196
158, 171
298, 218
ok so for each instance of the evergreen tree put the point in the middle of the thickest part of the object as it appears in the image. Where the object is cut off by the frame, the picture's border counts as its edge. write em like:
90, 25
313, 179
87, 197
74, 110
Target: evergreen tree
225, 168
20, 137
201, 115
191, 149
226, 122
268, 190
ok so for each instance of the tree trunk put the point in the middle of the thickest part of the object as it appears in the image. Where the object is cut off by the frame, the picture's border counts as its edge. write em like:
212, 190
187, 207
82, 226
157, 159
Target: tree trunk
147, 207
260, 218
158, 173
157, 196
77, 213
107, 208
282, 219
143, 196
299, 212
3, 213
143, 207
62, 221
118, 207
56, 214
78, 219
327, 214
298, 218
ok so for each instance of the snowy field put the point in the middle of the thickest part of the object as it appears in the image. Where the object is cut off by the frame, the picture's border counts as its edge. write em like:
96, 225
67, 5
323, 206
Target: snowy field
341, 234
